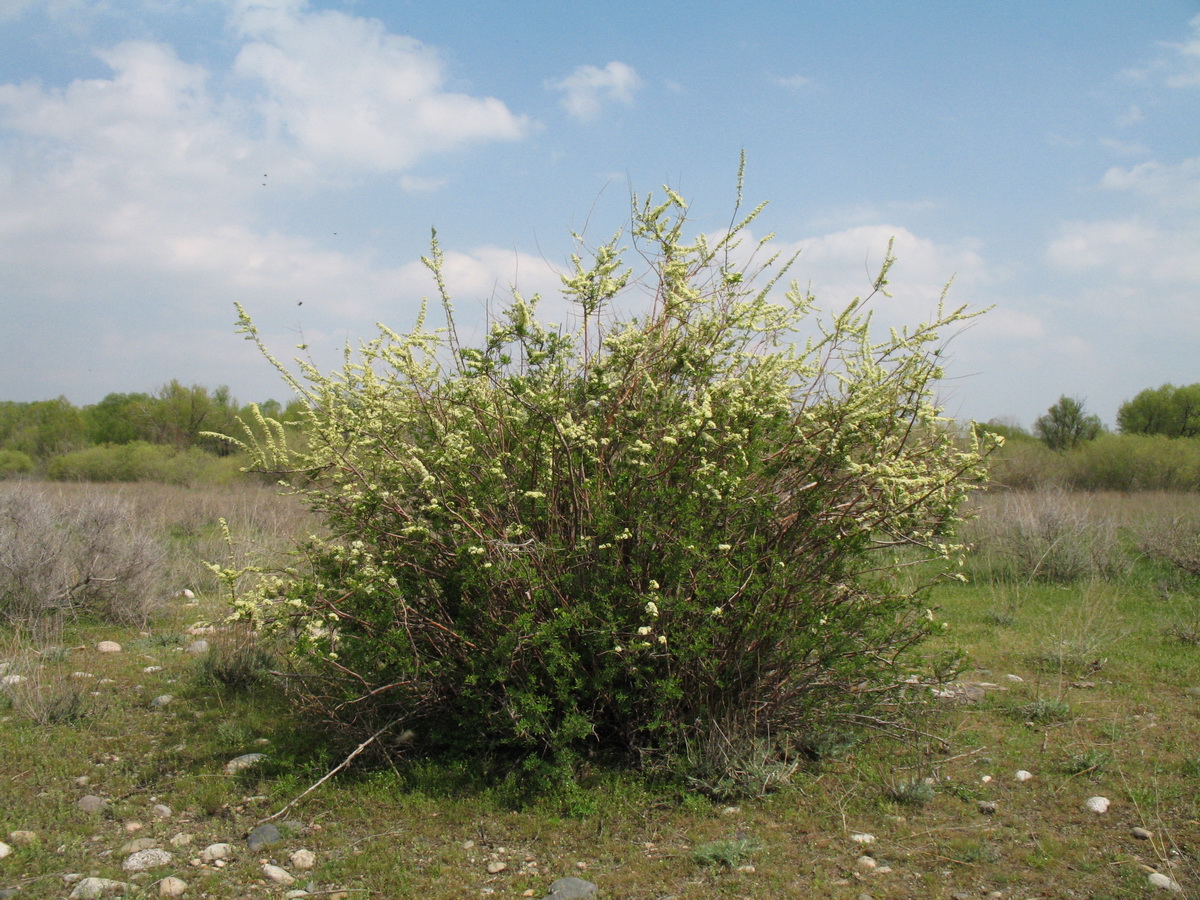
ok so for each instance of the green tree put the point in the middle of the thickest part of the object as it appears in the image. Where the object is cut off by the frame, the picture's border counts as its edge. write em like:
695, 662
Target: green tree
1066, 425
119, 419
1167, 410
42, 428
184, 416
668, 535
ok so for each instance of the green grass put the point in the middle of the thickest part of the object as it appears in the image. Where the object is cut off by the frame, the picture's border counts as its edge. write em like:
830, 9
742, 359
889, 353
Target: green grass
1128, 730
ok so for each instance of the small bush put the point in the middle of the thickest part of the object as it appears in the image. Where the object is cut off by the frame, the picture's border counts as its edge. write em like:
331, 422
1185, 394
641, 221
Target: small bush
728, 853
661, 535
14, 462
141, 461
235, 661
89, 555
913, 792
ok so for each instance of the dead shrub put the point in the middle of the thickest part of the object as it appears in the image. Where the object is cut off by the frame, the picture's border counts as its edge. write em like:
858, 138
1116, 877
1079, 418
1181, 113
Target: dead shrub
65, 558
1046, 535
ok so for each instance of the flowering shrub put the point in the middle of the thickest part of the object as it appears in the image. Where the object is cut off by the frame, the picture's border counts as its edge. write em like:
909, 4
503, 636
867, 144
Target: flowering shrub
644, 533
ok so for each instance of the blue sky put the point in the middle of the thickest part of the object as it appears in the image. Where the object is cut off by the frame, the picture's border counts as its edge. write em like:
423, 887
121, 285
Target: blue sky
161, 159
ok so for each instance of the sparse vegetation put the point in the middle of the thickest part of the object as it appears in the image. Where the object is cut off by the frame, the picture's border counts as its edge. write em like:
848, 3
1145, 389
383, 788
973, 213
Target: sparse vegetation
430, 827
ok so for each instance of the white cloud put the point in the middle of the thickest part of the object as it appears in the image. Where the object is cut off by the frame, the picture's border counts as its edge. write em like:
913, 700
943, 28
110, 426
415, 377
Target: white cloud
792, 82
587, 89
1159, 244
350, 93
1169, 185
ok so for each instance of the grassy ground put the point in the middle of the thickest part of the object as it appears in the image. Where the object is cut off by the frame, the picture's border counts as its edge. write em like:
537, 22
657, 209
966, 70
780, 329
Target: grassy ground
1106, 704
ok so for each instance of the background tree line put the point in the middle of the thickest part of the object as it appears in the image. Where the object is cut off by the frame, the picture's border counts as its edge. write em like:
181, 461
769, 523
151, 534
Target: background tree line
124, 433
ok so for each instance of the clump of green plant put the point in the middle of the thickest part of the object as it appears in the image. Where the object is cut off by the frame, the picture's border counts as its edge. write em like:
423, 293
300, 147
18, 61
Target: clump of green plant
642, 534
911, 792
235, 661
727, 853
1086, 762
1044, 710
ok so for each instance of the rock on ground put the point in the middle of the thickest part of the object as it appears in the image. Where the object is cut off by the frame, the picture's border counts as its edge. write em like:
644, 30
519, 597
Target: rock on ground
570, 888
278, 875
263, 836
243, 762
1097, 804
91, 803
171, 887
146, 859
108, 647
91, 888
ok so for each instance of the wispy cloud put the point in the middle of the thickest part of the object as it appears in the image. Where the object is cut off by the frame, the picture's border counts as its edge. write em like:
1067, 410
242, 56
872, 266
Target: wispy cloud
792, 82
587, 90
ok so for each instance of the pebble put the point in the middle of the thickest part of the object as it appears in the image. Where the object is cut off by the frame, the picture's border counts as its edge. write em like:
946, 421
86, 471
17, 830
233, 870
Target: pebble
139, 844
161, 810
263, 836
150, 669
171, 887
278, 875
146, 859
1142, 834
91, 888
132, 827
1015, 679
570, 888
1023, 775
91, 803
243, 762
1159, 880
108, 647
213, 852
987, 807
303, 859
4, 849
187, 595
182, 839
495, 867
860, 837
865, 864
22, 837
198, 647
1097, 805
11, 680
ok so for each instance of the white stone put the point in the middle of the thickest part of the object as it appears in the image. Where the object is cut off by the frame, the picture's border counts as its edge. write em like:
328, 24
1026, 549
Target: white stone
187, 595
182, 839
198, 647
91, 888
108, 647
1097, 804
4, 849
243, 762
1022, 775
1015, 679
986, 778
161, 810
161, 700
12, 680
150, 669
304, 859
22, 837
495, 867
865, 864
1159, 880
278, 875
171, 887
213, 852
860, 837
146, 859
